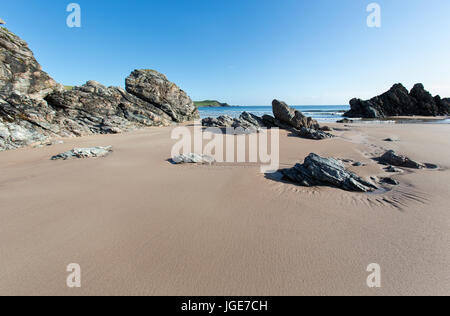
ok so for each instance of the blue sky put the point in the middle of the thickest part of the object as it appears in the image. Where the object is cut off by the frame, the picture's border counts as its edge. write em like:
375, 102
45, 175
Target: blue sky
244, 52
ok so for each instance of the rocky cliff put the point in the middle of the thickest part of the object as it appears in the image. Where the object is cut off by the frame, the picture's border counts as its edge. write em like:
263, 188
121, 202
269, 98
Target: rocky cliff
399, 102
34, 108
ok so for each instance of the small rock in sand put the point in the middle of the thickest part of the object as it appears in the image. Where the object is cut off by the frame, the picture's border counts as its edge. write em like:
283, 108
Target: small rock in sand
390, 139
93, 152
193, 158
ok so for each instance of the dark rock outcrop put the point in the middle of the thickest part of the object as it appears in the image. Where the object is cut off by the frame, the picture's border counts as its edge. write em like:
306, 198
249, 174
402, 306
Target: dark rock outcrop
153, 87
285, 118
394, 159
399, 102
246, 122
292, 117
318, 171
35, 109
313, 133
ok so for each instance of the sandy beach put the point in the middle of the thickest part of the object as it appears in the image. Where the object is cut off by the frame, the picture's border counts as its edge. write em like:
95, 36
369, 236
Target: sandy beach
138, 225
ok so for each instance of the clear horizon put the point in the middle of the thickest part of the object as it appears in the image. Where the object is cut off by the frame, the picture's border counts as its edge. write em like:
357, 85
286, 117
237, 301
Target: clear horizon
244, 52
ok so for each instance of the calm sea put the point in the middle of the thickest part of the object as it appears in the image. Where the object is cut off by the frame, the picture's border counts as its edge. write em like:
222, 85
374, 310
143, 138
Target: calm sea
322, 113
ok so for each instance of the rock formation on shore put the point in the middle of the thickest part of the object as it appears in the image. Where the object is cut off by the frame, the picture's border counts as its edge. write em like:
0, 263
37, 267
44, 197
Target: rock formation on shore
247, 122
285, 118
399, 102
154, 88
34, 108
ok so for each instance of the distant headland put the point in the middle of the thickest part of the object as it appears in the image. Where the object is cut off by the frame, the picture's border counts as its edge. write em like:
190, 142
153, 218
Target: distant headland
210, 104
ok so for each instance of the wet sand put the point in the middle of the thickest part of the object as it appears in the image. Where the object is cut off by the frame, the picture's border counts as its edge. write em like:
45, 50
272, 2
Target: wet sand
138, 225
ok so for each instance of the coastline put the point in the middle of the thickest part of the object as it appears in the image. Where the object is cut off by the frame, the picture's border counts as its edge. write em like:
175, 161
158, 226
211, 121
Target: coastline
223, 229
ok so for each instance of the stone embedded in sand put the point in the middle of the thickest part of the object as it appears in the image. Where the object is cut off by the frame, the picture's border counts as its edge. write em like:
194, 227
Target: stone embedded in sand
318, 171
193, 158
93, 152
394, 159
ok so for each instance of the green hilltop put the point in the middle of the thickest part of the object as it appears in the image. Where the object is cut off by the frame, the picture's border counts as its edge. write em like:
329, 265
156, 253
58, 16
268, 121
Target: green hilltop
209, 103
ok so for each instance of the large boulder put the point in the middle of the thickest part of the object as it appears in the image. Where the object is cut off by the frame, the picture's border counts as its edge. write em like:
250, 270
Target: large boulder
399, 102
318, 171
292, 117
155, 88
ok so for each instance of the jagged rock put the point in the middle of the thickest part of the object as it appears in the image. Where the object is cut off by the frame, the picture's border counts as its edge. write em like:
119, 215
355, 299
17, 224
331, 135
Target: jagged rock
313, 134
34, 108
2, 22
318, 171
252, 119
155, 88
292, 117
221, 121
394, 159
93, 152
193, 158
94, 108
390, 181
399, 102
20, 73
246, 123
272, 122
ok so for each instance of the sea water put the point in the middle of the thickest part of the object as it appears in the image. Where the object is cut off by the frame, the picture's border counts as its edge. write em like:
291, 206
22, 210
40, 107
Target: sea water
321, 113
